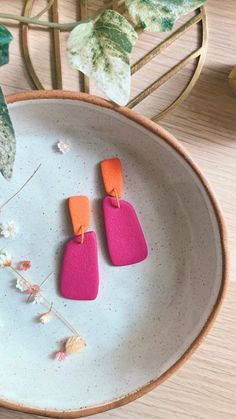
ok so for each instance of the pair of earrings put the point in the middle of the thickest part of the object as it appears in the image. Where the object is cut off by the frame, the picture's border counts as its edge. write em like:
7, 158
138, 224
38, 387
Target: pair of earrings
125, 239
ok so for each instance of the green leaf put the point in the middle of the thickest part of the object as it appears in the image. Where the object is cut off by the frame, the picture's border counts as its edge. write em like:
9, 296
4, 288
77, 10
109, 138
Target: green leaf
101, 50
7, 140
5, 39
160, 15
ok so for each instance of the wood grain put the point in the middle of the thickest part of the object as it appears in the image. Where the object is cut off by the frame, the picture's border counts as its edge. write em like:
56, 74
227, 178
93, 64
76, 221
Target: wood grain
206, 125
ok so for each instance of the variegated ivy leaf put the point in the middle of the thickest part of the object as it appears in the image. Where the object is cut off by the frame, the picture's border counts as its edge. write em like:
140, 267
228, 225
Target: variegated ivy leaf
160, 15
101, 50
7, 140
5, 39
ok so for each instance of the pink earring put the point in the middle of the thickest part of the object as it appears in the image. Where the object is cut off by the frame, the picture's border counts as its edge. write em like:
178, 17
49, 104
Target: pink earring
125, 239
79, 272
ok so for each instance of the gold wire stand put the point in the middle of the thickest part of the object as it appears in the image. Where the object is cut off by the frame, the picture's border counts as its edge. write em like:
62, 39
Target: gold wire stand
198, 56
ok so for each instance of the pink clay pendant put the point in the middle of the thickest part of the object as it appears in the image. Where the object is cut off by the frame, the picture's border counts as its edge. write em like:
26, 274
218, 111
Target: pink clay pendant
125, 239
79, 272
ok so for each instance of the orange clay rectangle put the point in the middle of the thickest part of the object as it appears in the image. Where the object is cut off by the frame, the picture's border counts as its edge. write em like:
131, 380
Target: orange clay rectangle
112, 176
79, 213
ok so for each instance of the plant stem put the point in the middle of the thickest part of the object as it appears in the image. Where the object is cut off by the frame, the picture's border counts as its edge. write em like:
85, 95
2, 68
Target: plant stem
61, 26
33, 21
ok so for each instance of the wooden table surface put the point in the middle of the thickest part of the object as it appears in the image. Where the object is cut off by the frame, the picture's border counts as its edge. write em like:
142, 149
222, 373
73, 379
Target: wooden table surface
205, 387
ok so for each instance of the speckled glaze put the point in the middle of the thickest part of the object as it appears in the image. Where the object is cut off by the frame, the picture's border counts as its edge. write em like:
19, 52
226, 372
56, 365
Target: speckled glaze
149, 317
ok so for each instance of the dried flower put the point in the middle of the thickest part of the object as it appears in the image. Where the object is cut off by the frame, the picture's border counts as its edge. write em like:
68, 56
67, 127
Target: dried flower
60, 356
24, 265
46, 317
5, 259
33, 289
63, 147
73, 345
22, 285
37, 299
8, 229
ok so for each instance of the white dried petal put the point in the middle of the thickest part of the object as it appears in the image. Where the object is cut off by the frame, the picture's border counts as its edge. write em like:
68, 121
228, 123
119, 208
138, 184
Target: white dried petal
45, 318
5, 259
63, 147
21, 284
8, 229
37, 299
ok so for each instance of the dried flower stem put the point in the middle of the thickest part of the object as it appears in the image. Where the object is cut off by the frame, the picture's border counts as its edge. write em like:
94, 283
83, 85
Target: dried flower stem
48, 304
22, 187
51, 308
45, 280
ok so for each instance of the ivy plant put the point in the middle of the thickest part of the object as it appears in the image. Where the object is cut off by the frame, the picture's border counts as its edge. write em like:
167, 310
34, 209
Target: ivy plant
5, 39
100, 47
7, 135
159, 15
101, 50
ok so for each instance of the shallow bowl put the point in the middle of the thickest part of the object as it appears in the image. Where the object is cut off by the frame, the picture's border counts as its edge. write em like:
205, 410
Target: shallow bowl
149, 317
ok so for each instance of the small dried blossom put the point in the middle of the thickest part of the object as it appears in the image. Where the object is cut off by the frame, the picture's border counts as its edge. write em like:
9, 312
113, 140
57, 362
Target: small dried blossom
5, 259
33, 289
46, 317
73, 345
24, 265
37, 299
8, 229
63, 147
34, 292
22, 285
60, 356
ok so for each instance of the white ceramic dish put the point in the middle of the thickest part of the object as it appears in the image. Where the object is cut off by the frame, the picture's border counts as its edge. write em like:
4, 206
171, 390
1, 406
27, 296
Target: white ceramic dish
148, 318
